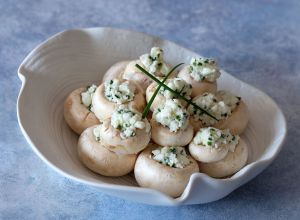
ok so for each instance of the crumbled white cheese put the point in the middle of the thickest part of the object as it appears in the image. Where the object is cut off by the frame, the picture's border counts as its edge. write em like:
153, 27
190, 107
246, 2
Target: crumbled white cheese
154, 61
96, 132
228, 98
178, 85
215, 138
119, 92
172, 115
87, 96
128, 120
204, 69
219, 105
172, 156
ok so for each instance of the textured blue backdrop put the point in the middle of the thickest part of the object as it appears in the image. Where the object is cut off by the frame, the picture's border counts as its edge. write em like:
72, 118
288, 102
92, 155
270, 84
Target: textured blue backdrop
257, 41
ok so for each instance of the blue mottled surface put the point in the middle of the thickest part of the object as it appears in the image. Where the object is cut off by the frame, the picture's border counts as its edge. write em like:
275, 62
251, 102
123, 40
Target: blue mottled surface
257, 41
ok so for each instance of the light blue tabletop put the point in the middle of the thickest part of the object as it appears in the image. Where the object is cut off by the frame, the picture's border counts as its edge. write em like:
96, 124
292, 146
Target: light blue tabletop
257, 41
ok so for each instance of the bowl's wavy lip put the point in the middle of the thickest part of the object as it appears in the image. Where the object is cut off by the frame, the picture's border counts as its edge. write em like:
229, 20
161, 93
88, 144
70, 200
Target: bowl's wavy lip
169, 199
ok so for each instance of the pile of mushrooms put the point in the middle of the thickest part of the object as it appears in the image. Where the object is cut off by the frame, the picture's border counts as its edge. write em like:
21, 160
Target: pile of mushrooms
175, 140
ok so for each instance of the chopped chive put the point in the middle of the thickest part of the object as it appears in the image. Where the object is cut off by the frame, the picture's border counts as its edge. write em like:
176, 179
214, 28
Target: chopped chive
173, 150
181, 90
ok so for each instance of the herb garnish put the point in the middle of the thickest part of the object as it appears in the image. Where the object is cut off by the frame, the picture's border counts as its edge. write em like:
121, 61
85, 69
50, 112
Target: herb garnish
147, 108
161, 84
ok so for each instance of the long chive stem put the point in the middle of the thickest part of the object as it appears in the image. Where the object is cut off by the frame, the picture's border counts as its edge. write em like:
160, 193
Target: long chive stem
146, 110
174, 92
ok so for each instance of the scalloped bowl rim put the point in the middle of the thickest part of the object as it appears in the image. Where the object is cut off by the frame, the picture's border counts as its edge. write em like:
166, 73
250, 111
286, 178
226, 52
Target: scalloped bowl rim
169, 200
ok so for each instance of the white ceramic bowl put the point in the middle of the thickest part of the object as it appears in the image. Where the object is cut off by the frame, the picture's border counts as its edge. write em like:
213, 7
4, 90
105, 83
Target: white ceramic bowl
75, 58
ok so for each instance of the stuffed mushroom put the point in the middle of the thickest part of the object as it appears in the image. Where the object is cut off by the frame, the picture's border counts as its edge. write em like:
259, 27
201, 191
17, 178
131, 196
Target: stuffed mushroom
230, 110
126, 132
78, 109
219, 152
167, 169
99, 159
202, 74
153, 63
170, 124
115, 71
177, 84
110, 94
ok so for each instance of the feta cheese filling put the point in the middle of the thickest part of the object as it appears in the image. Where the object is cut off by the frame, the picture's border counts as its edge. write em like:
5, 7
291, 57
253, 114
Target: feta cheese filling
96, 133
215, 138
154, 62
171, 156
128, 121
119, 92
87, 96
204, 69
221, 105
178, 85
172, 115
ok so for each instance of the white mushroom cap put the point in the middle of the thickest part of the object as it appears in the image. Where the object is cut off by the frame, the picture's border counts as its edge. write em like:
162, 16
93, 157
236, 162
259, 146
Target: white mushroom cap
115, 71
152, 174
104, 108
132, 73
207, 154
236, 122
78, 116
101, 160
232, 163
164, 137
159, 99
198, 87
111, 139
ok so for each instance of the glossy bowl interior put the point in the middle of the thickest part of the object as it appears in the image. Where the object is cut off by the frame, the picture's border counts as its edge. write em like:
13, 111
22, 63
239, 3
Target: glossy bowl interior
76, 58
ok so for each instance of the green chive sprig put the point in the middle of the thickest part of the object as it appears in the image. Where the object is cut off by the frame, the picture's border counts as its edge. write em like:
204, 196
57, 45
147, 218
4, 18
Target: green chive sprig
178, 95
146, 110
